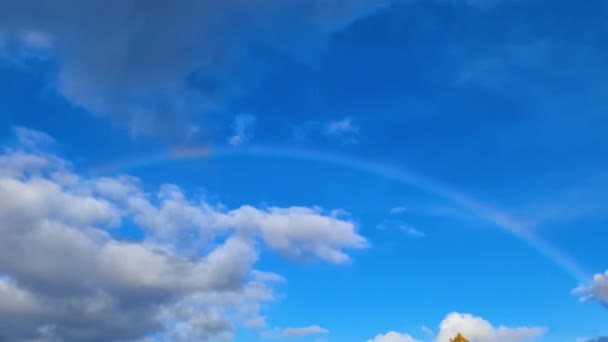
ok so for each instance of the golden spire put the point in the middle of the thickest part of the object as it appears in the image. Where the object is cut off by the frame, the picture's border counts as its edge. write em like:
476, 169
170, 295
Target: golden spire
459, 338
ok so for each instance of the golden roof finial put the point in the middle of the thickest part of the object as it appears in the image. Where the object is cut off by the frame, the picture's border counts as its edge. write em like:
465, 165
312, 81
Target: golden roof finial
459, 338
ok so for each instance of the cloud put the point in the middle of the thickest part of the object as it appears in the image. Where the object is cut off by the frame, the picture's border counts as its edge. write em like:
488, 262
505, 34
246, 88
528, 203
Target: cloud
344, 130
393, 336
155, 65
278, 333
398, 210
68, 275
305, 331
427, 330
411, 231
597, 291
243, 129
474, 328
297, 232
479, 330
397, 225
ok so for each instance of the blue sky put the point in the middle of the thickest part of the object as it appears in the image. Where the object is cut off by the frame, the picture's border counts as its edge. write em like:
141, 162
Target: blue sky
385, 171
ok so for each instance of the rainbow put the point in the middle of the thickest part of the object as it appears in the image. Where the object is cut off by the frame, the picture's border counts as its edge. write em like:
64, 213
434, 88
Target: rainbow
403, 176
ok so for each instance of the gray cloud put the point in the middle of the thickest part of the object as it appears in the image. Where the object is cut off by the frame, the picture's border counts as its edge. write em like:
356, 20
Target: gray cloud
64, 277
155, 65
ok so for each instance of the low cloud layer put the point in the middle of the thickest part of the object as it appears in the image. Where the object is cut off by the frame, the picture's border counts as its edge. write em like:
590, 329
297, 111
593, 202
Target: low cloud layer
156, 65
69, 269
476, 329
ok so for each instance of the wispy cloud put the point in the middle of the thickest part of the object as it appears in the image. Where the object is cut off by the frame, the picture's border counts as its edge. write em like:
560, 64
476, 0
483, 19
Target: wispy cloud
305, 331
397, 223
404, 228
411, 231
397, 210
278, 333
427, 330
343, 130
243, 129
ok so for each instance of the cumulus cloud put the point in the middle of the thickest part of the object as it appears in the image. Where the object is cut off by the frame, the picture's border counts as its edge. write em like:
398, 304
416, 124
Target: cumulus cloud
66, 274
393, 336
474, 328
154, 65
597, 291
479, 330
298, 232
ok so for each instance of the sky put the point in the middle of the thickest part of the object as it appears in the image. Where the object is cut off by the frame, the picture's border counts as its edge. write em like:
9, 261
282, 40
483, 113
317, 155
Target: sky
310, 170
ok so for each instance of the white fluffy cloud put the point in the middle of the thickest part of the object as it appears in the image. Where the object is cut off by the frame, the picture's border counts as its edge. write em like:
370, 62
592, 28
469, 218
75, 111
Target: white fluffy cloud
64, 274
596, 291
393, 336
479, 330
476, 329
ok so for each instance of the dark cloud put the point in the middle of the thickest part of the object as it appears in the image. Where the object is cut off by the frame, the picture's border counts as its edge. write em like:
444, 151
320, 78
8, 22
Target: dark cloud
155, 65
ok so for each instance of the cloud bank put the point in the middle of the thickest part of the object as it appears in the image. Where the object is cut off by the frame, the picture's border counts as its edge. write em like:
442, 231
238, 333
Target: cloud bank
72, 267
156, 65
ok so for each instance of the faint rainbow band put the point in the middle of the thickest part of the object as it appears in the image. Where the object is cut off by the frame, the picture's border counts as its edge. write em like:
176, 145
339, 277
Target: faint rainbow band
403, 176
